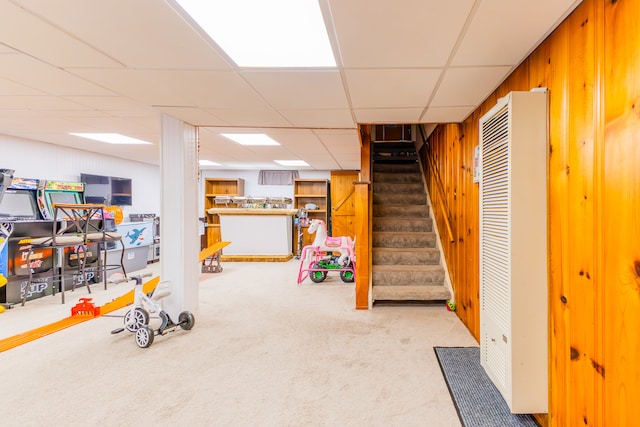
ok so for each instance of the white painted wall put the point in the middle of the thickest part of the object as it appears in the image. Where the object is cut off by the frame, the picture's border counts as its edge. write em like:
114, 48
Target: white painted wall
34, 159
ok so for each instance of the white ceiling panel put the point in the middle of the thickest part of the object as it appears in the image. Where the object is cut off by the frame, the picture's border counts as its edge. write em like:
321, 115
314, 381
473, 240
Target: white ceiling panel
299, 89
38, 103
192, 115
138, 34
24, 32
400, 33
446, 114
391, 88
105, 103
72, 114
319, 118
486, 43
388, 115
9, 88
207, 89
36, 74
4, 49
249, 117
468, 86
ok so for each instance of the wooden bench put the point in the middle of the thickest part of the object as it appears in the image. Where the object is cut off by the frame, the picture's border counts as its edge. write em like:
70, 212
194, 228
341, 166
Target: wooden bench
212, 253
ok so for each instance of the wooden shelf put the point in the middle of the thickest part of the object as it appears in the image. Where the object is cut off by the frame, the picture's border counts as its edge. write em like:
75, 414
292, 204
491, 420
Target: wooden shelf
218, 187
311, 191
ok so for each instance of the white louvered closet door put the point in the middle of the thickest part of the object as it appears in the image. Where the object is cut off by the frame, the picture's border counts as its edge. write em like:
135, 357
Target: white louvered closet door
513, 253
495, 244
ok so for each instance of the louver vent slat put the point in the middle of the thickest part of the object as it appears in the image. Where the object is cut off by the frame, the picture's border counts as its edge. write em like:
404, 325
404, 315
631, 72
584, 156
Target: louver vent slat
495, 218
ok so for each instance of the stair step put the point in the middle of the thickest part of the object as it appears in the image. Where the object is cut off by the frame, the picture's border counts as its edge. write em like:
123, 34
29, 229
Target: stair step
397, 168
410, 293
378, 147
399, 199
402, 256
421, 211
407, 275
398, 188
397, 178
394, 239
400, 159
406, 224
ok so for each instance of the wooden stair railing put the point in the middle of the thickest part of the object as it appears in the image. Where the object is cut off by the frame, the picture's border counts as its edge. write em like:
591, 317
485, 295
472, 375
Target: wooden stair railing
440, 189
362, 222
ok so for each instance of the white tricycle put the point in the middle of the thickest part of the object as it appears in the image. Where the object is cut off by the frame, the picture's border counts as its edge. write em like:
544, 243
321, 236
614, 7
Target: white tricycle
136, 320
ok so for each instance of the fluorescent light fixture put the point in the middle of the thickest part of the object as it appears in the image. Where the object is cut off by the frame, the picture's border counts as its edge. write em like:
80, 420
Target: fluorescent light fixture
250, 138
208, 163
111, 138
261, 33
292, 162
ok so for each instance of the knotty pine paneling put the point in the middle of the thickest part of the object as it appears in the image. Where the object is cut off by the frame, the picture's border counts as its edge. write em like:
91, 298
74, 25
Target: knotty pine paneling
619, 201
591, 66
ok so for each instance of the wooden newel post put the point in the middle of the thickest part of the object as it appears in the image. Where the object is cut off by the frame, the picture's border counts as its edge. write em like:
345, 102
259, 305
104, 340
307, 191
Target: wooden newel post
363, 253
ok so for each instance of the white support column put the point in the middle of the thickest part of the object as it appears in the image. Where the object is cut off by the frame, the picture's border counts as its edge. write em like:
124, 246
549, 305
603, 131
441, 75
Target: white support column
179, 237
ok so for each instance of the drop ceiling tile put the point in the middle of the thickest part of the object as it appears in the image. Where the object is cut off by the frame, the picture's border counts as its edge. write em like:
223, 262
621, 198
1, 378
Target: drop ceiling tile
299, 89
106, 103
41, 103
349, 164
325, 165
493, 40
446, 114
34, 36
341, 143
391, 88
177, 88
71, 114
193, 116
4, 49
140, 114
9, 88
249, 117
388, 115
32, 73
468, 86
319, 118
140, 34
400, 33
323, 133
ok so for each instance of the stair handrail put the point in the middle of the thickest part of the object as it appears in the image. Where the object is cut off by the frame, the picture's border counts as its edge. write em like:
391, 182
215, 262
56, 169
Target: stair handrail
441, 196
362, 222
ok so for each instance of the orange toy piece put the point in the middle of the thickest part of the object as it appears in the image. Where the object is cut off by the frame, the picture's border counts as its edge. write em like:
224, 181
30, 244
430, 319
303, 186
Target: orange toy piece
85, 308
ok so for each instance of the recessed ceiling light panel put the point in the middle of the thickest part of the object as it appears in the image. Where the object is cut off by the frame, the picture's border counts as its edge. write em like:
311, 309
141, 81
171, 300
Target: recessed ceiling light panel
261, 33
111, 138
208, 163
250, 138
292, 162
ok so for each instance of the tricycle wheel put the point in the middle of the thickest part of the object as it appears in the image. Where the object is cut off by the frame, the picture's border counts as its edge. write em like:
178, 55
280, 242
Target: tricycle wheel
186, 320
136, 318
144, 336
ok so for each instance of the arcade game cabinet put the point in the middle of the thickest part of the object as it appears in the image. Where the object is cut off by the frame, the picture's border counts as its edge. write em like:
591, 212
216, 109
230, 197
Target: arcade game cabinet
51, 193
5, 229
19, 211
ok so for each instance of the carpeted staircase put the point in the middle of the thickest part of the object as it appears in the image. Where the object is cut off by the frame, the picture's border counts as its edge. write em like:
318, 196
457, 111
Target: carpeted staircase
405, 260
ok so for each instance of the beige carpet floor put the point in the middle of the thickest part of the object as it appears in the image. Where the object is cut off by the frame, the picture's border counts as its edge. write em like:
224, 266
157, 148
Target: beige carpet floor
264, 352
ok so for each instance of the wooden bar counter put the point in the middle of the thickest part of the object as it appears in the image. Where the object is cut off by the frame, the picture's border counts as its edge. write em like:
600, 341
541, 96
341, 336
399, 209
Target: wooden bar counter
256, 234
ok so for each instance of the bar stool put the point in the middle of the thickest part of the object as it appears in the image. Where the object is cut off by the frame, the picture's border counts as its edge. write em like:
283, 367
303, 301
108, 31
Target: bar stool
69, 229
100, 235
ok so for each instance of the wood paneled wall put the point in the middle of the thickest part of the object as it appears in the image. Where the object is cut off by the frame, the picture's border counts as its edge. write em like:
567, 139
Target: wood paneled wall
591, 66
